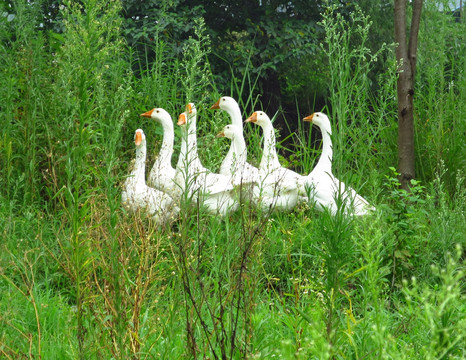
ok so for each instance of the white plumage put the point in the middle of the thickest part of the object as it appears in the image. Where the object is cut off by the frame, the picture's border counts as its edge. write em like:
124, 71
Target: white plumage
138, 196
326, 187
230, 105
279, 188
271, 187
215, 191
240, 174
162, 174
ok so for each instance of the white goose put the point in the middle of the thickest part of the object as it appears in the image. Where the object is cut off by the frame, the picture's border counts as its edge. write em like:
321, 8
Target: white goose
279, 187
238, 171
214, 190
137, 195
249, 172
327, 188
162, 175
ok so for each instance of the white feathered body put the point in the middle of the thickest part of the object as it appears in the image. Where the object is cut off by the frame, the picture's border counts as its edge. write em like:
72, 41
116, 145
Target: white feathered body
137, 196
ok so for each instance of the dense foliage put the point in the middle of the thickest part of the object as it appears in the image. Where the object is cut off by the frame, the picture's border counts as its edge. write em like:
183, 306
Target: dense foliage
81, 277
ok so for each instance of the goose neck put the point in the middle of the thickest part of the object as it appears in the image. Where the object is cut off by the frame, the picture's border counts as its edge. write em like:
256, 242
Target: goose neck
269, 154
188, 151
166, 151
192, 137
139, 169
184, 148
235, 116
325, 161
237, 150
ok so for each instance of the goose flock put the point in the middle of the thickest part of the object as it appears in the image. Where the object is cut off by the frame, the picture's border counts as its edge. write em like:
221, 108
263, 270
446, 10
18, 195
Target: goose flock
268, 187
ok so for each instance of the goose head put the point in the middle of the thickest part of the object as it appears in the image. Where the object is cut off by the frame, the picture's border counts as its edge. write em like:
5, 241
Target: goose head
230, 132
189, 113
158, 114
224, 103
139, 137
321, 120
260, 118
182, 119
191, 110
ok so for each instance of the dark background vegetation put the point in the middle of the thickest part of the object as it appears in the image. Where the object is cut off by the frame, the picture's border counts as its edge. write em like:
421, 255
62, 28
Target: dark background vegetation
278, 41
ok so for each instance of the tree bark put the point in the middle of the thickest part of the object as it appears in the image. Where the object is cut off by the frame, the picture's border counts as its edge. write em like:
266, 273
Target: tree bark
406, 58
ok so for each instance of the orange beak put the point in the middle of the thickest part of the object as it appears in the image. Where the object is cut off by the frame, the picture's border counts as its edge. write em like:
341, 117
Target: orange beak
182, 119
309, 118
189, 109
252, 118
216, 106
221, 134
138, 138
147, 114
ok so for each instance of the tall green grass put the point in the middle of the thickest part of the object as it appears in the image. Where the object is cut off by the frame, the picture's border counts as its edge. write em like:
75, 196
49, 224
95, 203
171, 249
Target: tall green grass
363, 122
25, 78
80, 277
440, 103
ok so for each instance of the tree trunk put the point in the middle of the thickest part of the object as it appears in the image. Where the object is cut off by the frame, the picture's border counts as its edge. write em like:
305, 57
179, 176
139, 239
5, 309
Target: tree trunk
406, 58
